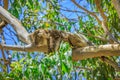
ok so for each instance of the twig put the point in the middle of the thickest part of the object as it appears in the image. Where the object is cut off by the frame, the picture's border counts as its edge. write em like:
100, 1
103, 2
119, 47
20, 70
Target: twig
88, 12
3, 54
6, 4
72, 11
104, 22
97, 37
116, 4
98, 2
83, 68
2, 24
111, 63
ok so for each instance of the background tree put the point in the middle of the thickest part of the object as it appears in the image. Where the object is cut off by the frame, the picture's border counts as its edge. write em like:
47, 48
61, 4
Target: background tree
96, 19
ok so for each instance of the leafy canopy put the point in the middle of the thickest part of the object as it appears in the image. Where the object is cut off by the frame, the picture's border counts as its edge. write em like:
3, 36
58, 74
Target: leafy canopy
61, 15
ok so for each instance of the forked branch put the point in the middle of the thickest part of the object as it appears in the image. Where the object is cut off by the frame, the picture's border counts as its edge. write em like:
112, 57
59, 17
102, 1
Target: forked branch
20, 30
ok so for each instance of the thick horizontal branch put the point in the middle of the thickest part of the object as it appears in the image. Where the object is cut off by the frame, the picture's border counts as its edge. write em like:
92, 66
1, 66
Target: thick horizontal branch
96, 51
27, 48
77, 54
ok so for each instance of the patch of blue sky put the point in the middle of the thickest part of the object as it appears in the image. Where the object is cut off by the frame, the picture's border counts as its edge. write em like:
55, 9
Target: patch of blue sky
10, 35
68, 4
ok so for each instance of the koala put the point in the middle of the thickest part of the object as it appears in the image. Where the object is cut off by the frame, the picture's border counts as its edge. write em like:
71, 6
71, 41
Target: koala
52, 39
49, 38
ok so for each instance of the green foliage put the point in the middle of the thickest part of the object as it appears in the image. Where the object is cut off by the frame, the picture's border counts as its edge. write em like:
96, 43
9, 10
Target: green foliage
50, 67
46, 14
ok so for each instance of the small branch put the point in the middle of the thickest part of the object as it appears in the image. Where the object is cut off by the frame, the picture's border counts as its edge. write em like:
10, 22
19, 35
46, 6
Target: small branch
112, 39
2, 24
104, 22
96, 51
6, 4
3, 41
3, 54
116, 4
83, 68
88, 12
68, 10
97, 37
111, 63
98, 2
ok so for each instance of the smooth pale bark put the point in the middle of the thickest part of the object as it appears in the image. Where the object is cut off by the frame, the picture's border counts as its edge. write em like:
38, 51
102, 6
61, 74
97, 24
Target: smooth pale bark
16, 24
27, 48
96, 51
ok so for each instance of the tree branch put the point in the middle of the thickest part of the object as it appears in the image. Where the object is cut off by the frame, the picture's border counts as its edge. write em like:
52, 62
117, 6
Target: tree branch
111, 63
20, 30
27, 48
77, 54
75, 40
68, 10
104, 22
2, 24
42, 40
116, 4
88, 12
3, 54
6, 4
98, 2
96, 51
